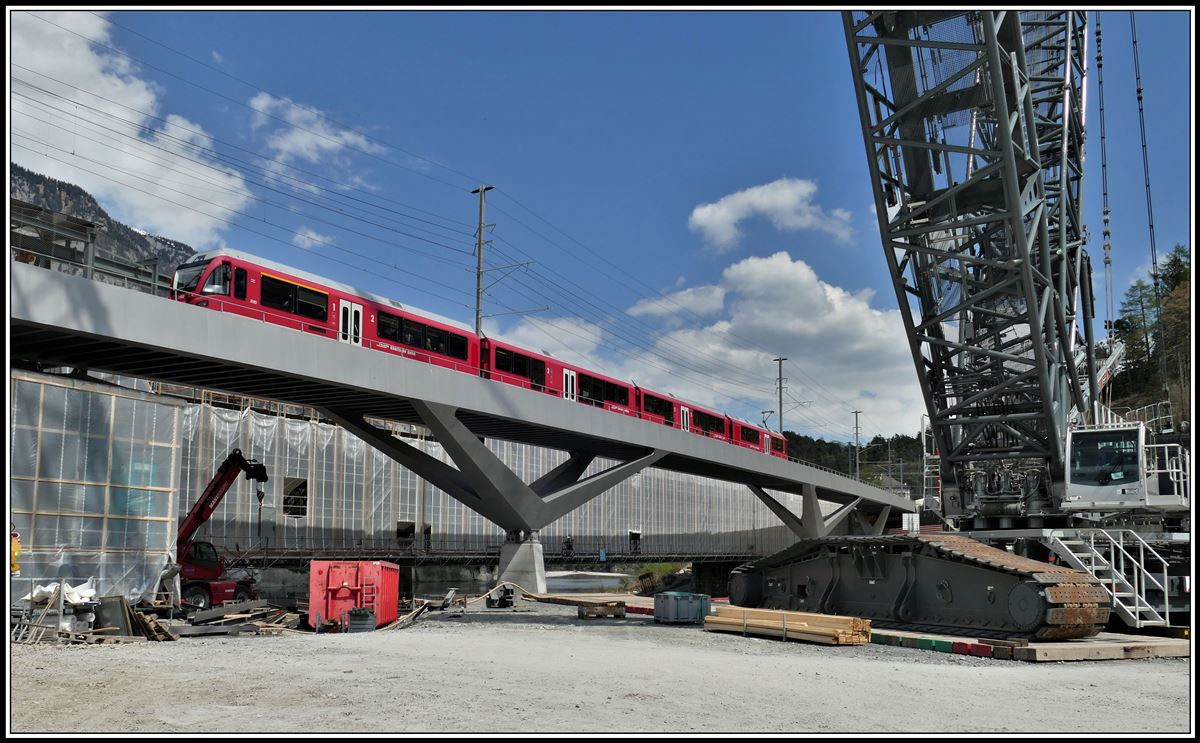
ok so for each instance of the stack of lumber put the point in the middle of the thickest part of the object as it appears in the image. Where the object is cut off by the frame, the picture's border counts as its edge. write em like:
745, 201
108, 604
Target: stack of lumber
827, 629
257, 616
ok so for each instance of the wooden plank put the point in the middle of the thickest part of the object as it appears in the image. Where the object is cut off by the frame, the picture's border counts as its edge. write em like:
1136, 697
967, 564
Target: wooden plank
812, 618
202, 630
200, 617
791, 626
1103, 650
824, 639
547, 598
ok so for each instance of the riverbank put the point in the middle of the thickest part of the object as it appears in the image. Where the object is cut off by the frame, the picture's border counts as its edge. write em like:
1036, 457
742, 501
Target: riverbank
541, 669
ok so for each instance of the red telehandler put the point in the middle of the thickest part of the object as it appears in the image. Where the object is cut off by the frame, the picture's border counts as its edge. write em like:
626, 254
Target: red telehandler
203, 578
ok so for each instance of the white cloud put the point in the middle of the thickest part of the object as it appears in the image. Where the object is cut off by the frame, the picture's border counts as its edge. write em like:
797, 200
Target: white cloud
307, 238
217, 57
700, 300
296, 133
136, 183
842, 353
787, 202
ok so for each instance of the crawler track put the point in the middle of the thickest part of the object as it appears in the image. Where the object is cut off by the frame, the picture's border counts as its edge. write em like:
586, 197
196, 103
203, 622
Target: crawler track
928, 582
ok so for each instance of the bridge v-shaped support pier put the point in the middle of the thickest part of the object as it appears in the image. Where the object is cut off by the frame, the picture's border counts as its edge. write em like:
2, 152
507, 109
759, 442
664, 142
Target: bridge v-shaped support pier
486, 485
813, 523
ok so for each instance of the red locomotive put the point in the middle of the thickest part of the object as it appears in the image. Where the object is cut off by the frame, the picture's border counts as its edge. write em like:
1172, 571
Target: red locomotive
232, 281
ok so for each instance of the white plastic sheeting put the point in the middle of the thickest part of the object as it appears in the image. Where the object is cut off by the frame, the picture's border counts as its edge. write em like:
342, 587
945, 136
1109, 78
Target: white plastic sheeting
356, 495
94, 477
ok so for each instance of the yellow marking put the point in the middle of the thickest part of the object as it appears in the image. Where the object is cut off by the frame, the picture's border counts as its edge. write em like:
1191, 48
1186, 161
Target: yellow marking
296, 283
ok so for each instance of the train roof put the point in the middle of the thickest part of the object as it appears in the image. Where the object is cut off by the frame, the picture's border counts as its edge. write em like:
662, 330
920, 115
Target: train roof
208, 255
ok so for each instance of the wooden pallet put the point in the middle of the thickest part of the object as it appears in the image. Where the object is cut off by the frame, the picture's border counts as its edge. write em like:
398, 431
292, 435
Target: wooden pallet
615, 610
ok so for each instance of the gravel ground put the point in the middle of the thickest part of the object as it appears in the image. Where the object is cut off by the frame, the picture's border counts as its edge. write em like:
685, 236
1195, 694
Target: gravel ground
540, 669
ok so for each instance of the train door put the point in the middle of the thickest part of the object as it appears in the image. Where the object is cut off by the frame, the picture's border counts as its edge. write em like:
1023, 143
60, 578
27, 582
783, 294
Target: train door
350, 314
569, 379
685, 418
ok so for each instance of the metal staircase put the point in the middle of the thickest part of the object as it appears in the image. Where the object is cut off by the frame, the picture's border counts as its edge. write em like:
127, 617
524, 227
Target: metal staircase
1127, 567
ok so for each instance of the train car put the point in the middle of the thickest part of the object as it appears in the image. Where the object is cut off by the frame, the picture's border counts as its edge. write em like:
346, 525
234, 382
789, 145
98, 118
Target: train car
232, 281
749, 435
669, 410
236, 282
505, 362
778, 446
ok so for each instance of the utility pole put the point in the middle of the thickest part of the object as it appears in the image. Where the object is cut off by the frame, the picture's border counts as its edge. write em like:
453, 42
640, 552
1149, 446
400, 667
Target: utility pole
857, 466
780, 360
482, 191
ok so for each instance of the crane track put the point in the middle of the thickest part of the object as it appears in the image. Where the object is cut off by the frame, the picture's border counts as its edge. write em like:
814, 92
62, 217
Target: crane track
1078, 605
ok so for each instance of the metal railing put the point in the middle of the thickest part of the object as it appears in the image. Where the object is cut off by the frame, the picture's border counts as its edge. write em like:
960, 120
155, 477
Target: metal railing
1128, 574
1176, 466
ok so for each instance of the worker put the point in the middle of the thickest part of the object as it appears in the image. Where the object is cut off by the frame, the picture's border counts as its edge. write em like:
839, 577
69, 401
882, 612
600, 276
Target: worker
568, 545
14, 553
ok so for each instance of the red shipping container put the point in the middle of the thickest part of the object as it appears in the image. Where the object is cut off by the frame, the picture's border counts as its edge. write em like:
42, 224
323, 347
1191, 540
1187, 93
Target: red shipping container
337, 586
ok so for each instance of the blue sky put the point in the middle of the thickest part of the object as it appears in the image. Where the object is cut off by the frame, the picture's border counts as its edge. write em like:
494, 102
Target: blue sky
710, 156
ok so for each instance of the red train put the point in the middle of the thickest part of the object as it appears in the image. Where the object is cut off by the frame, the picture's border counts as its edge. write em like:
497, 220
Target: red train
232, 281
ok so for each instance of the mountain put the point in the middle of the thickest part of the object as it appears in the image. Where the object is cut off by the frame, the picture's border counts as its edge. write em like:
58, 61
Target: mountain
112, 237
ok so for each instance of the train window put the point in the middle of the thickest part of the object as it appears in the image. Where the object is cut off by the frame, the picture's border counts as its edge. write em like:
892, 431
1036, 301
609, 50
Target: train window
389, 326
616, 393
591, 390
749, 435
188, 277
520, 365
458, 346
436, 340
708, 423
776, 444
503, 360
218, 280
239, 283
277, 294
413, 334
537, 373
312, 304
659, 406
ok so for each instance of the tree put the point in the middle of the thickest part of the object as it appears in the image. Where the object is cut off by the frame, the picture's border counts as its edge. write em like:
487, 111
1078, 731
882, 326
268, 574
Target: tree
1138, 314
1175, 268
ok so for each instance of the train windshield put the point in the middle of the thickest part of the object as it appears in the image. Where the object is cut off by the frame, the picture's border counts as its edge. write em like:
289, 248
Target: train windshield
1104, 457
188, 277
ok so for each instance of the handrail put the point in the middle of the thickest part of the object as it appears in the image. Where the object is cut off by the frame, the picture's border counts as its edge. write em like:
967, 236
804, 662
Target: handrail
1120, 577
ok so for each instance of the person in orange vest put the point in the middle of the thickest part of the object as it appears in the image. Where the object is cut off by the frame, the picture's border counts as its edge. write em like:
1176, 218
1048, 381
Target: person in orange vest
14, 548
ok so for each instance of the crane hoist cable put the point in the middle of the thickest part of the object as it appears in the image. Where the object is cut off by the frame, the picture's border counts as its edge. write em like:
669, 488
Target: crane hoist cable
1108, 286
1154, 277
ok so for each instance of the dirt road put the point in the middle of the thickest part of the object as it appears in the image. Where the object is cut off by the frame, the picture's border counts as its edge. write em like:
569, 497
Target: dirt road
543, 670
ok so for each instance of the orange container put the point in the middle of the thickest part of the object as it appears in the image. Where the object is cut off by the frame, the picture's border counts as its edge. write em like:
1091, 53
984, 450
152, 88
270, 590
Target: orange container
337, 586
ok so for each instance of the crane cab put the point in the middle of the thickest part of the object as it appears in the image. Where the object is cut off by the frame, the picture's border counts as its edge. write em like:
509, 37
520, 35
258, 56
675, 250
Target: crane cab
1121, 466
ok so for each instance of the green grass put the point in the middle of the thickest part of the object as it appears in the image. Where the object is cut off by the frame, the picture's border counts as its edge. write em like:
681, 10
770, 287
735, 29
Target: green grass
659, 569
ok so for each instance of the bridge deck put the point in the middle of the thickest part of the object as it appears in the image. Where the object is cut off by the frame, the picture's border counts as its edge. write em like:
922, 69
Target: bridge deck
61, 319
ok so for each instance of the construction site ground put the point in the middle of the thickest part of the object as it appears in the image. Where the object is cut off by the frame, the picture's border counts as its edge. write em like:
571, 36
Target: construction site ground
539, 668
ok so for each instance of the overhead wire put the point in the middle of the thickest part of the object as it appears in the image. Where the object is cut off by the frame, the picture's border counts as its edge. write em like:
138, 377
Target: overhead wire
259, 111
250, 195
662, 297
168, 123
240, 226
